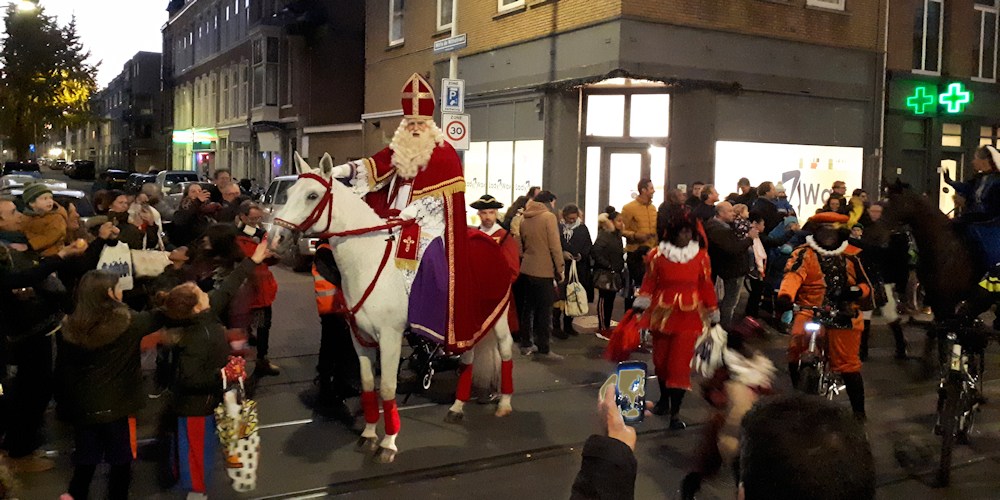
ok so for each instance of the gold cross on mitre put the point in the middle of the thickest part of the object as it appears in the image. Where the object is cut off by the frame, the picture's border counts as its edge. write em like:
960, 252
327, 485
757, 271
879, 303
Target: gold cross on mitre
412, 90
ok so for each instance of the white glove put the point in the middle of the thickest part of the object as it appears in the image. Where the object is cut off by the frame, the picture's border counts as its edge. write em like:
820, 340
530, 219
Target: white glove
410, 212
715, 316
342, 171
641, 302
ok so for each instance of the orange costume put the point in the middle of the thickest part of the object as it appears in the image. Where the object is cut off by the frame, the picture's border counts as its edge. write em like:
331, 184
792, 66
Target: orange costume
807, 274
679, 285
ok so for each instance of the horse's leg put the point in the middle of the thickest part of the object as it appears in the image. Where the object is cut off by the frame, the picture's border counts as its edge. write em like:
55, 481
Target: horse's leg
369, 399
390, 346
464, 390
505, 344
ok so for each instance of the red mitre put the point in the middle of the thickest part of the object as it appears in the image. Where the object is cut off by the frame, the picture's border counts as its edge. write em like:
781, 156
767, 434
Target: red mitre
829, 218
418, 99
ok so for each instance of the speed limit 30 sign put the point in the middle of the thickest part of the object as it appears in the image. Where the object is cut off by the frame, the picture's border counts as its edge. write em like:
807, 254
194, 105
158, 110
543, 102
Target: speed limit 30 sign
456, 130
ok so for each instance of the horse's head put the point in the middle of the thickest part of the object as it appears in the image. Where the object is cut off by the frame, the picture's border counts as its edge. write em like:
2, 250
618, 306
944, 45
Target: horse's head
904, 205
309, 208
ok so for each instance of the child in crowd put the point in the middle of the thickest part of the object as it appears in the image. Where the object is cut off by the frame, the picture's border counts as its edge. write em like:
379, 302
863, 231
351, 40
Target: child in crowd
198, 339
742, 223
100, 388
46, 222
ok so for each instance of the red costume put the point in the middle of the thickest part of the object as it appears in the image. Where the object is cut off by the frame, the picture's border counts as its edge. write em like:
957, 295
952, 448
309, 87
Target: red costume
679, 285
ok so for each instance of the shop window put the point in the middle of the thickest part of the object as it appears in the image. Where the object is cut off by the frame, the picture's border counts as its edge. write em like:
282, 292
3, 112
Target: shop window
988, 136
951, 135
986, 51
606, 115
395, 22
650, 115
445, 15
928, 25
502, 169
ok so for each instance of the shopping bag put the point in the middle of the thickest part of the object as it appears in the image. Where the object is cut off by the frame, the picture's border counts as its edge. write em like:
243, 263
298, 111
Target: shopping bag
150, 263
708, 350
576, 296
624, 339
117, 259
236, 425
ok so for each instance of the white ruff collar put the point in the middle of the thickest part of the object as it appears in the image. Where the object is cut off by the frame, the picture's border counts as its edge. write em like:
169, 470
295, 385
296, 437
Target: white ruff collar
491, 230
679, 255
824, 252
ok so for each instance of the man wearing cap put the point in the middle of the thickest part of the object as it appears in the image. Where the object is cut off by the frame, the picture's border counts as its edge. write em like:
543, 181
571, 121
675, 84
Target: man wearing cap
419, 177
826, 272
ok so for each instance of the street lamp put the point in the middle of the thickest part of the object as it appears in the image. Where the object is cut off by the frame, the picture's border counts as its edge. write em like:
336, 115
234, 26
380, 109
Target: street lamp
26, 6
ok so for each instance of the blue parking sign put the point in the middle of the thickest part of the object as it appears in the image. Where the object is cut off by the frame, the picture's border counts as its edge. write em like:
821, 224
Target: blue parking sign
452, 96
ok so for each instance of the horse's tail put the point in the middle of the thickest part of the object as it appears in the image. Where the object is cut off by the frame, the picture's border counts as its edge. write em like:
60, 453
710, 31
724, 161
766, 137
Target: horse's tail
486, 364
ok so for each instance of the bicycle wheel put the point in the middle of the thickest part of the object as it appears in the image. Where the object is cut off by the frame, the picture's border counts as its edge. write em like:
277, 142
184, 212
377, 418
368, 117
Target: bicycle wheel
949, 426
809, 379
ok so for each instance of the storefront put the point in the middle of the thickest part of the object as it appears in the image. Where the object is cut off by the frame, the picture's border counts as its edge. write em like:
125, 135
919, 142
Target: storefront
933, 125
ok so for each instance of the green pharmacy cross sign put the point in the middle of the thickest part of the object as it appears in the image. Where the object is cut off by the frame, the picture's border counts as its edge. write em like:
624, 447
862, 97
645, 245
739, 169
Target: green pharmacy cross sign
923, 99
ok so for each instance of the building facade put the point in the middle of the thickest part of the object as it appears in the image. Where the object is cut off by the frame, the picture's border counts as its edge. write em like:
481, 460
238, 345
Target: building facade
126, 132
585, 98
250, 82
942, 95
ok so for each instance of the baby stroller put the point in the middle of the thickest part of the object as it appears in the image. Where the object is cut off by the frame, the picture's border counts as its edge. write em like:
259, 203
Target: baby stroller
427, 358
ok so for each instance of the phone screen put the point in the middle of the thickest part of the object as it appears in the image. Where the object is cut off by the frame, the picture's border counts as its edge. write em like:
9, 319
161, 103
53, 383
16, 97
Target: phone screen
630, 393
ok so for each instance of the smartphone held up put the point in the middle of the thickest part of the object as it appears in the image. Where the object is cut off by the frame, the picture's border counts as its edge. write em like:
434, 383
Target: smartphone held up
630, 393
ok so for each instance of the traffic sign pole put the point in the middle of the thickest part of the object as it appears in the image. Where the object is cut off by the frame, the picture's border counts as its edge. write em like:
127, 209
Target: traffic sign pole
453, 58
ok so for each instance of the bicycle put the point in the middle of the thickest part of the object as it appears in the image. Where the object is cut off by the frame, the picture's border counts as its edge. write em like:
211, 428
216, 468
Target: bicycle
815, 375
962, 351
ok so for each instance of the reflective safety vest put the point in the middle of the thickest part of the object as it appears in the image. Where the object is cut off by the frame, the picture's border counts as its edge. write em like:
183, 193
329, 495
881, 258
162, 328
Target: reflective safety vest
329, 298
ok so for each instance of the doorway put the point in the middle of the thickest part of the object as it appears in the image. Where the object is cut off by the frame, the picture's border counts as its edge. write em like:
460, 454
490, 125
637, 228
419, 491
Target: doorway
613, 174
954, 164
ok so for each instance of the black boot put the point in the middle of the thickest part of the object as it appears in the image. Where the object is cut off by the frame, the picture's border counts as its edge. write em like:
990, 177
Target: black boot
897, 335
856, 393
557, 331
793, 373
676, 398
568, 326
863, 352
662, 406
690, 486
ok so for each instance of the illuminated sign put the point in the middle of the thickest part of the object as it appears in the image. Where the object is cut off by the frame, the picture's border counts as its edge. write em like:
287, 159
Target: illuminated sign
192, 136
956, 98
925, 99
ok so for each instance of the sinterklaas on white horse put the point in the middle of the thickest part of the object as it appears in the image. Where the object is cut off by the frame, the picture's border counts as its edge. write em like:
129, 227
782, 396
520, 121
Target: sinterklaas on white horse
378, 296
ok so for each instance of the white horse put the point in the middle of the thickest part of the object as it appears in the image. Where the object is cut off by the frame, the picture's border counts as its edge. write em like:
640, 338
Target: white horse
375, 291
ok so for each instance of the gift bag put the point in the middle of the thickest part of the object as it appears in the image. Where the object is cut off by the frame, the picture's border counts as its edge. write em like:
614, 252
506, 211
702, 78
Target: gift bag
237, 427
150, 263
624, 339
117, 259
576, 296
708, 351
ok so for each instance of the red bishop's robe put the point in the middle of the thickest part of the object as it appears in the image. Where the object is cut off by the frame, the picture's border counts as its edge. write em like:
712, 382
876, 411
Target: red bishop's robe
452, 300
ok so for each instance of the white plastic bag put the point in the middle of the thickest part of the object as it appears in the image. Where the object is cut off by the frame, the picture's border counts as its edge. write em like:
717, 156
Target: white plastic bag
708, 350
117, 259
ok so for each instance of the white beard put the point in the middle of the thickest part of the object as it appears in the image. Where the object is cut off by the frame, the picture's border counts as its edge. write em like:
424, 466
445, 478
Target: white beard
411, 154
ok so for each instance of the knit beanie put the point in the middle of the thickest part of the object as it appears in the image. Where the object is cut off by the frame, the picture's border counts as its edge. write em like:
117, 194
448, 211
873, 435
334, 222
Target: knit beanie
33, 191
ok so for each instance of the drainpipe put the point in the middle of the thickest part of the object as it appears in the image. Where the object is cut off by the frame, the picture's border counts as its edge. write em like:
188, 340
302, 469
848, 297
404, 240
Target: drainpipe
882, 78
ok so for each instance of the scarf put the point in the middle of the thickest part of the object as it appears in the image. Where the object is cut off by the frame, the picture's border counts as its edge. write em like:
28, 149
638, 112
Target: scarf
679, 255
569, 228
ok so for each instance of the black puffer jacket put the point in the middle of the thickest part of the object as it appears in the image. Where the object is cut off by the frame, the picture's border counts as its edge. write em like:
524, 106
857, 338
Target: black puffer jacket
201, 350
100, 378
32, 299
608, 251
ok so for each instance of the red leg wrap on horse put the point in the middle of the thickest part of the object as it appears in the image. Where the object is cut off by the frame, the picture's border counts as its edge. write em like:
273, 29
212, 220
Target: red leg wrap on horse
391, 417
369, 402
464, 390
507, 377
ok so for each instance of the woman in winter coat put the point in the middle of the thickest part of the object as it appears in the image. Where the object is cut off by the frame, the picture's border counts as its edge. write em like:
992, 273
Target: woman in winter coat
198, 338
576, 245
609, 265
100, 388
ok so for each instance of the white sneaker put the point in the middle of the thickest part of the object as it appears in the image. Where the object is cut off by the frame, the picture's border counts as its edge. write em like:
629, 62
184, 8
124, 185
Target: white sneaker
549, 356
528, 351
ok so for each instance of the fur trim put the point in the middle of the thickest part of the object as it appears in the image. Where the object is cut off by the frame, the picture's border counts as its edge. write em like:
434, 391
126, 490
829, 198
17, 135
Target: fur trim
757, 371
679, 255
102, 333
822, 251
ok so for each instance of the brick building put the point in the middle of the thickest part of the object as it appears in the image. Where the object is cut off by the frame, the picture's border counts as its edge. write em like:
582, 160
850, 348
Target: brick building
252, 81
586, 97
942, 96
127, 131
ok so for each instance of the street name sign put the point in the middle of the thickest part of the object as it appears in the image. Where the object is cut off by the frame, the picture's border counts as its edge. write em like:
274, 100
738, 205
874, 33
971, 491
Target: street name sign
452, 96
451, 44
456, 130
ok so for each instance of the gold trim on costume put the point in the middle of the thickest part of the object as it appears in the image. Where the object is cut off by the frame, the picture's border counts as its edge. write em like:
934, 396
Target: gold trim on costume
373, 177
446, 188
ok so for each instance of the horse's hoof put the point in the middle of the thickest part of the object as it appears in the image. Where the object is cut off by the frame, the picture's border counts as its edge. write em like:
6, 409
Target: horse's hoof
385, 456
454, 417
366, 445
503, 411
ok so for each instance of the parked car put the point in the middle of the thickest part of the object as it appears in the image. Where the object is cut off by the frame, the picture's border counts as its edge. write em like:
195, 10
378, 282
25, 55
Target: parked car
81, 169
135, 181
170, 180
63, 197
273, 199
27, 167
58, 165
111, 179
12, 181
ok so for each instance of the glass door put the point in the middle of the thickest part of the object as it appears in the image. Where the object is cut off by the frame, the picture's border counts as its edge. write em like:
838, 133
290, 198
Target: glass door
621, 170
953, 163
